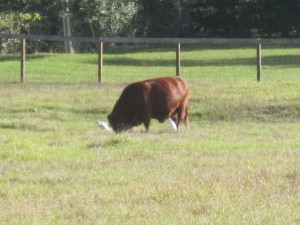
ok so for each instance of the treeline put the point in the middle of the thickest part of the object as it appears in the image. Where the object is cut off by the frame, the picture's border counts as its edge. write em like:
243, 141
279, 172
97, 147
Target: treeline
154, 18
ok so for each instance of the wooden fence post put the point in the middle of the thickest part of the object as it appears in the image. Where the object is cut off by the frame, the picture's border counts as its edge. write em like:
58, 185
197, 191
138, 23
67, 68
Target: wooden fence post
100, 62
258, 61
23, 60
178, 60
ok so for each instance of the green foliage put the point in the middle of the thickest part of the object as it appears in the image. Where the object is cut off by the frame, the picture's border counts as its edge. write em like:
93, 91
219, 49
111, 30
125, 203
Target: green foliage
30, 16
156, 18
106, 17
159, 18
11, 24
238, 18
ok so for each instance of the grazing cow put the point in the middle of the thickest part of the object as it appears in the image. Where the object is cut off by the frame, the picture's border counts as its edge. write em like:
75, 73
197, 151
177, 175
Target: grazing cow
159, 98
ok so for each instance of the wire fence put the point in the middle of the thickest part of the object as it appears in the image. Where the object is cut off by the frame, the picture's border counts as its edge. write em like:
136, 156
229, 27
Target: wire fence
123, 60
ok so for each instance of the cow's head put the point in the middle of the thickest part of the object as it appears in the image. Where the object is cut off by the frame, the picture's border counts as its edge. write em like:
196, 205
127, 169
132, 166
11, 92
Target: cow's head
118, 123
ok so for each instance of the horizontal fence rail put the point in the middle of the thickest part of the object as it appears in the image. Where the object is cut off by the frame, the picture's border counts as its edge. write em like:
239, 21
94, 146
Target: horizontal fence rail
281, 41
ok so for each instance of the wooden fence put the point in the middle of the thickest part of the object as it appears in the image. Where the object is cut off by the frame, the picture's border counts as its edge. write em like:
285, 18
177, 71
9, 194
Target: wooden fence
178, 41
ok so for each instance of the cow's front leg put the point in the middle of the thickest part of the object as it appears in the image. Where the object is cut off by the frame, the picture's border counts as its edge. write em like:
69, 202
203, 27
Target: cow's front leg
146, 116
146, 123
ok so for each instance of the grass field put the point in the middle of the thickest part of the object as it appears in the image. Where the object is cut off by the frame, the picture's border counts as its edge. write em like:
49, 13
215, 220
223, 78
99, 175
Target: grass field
238, 163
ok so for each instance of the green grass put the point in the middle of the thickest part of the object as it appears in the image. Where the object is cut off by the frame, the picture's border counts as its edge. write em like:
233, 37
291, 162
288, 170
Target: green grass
211, 63
238, 163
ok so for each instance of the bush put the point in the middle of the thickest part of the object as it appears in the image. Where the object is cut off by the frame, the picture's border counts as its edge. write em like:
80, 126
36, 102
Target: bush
10, 23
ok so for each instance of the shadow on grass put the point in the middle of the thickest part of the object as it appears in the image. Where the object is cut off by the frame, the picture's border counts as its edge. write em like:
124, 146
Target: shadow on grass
22, 126
121, 60
263, 113
5, 58
139, 48
286, 60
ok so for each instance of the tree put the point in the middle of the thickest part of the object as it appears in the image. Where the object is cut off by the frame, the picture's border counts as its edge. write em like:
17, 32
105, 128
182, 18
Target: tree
246, 18
215, 18
278, 18
151, 18
14, 20
104, 17
159, 18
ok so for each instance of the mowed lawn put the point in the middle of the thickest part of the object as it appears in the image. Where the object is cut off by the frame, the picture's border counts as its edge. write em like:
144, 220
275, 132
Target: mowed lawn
238, 163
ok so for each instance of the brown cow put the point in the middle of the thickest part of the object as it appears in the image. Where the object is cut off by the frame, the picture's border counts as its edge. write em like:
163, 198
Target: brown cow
159, 98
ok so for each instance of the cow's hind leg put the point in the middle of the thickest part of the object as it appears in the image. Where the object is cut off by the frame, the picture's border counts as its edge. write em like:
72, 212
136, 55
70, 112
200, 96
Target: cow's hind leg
179, 115
186, 118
